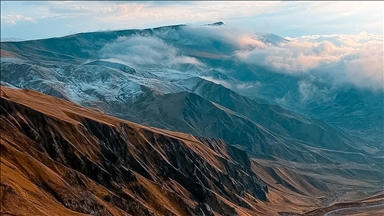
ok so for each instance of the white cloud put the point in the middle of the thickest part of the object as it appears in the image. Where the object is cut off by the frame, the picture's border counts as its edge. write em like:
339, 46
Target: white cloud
234, 37
145, 50
250, 41
13, 19
357, 59
310, 92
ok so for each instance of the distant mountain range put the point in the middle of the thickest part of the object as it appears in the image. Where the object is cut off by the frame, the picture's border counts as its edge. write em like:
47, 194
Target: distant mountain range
11, 39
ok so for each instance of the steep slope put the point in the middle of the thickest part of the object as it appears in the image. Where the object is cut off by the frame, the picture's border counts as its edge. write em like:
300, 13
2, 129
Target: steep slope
59, 158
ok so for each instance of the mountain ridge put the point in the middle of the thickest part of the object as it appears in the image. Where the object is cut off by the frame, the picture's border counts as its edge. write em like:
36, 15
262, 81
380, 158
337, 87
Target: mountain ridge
22, 115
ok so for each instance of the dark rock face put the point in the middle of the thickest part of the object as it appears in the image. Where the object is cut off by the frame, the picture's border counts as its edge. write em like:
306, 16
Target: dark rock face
141, 170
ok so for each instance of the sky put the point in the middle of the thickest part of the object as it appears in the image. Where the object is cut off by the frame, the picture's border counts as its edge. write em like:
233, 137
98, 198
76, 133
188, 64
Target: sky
35, 20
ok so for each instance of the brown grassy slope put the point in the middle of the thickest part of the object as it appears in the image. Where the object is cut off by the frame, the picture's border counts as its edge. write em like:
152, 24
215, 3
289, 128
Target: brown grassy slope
58, 158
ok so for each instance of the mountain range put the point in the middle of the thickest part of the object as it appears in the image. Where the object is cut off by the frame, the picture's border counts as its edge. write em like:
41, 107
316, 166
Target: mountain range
189, 81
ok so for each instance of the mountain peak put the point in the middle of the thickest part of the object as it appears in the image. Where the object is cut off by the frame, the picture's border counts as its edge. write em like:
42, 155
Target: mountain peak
216, 24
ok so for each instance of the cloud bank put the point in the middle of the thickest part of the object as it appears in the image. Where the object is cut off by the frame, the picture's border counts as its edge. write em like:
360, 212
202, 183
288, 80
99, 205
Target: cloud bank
139, 50
356, 59
338, 59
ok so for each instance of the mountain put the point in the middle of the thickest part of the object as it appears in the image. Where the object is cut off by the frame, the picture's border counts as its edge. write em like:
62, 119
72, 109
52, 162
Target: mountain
194, 105
11, 39
95, 164
201, 111
216, 24
307, 137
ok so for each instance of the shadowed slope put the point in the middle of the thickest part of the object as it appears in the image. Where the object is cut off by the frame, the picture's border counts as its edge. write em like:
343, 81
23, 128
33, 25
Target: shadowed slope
60, 158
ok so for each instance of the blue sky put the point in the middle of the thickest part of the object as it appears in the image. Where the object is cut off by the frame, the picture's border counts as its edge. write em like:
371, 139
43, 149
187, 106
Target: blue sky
33, 20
